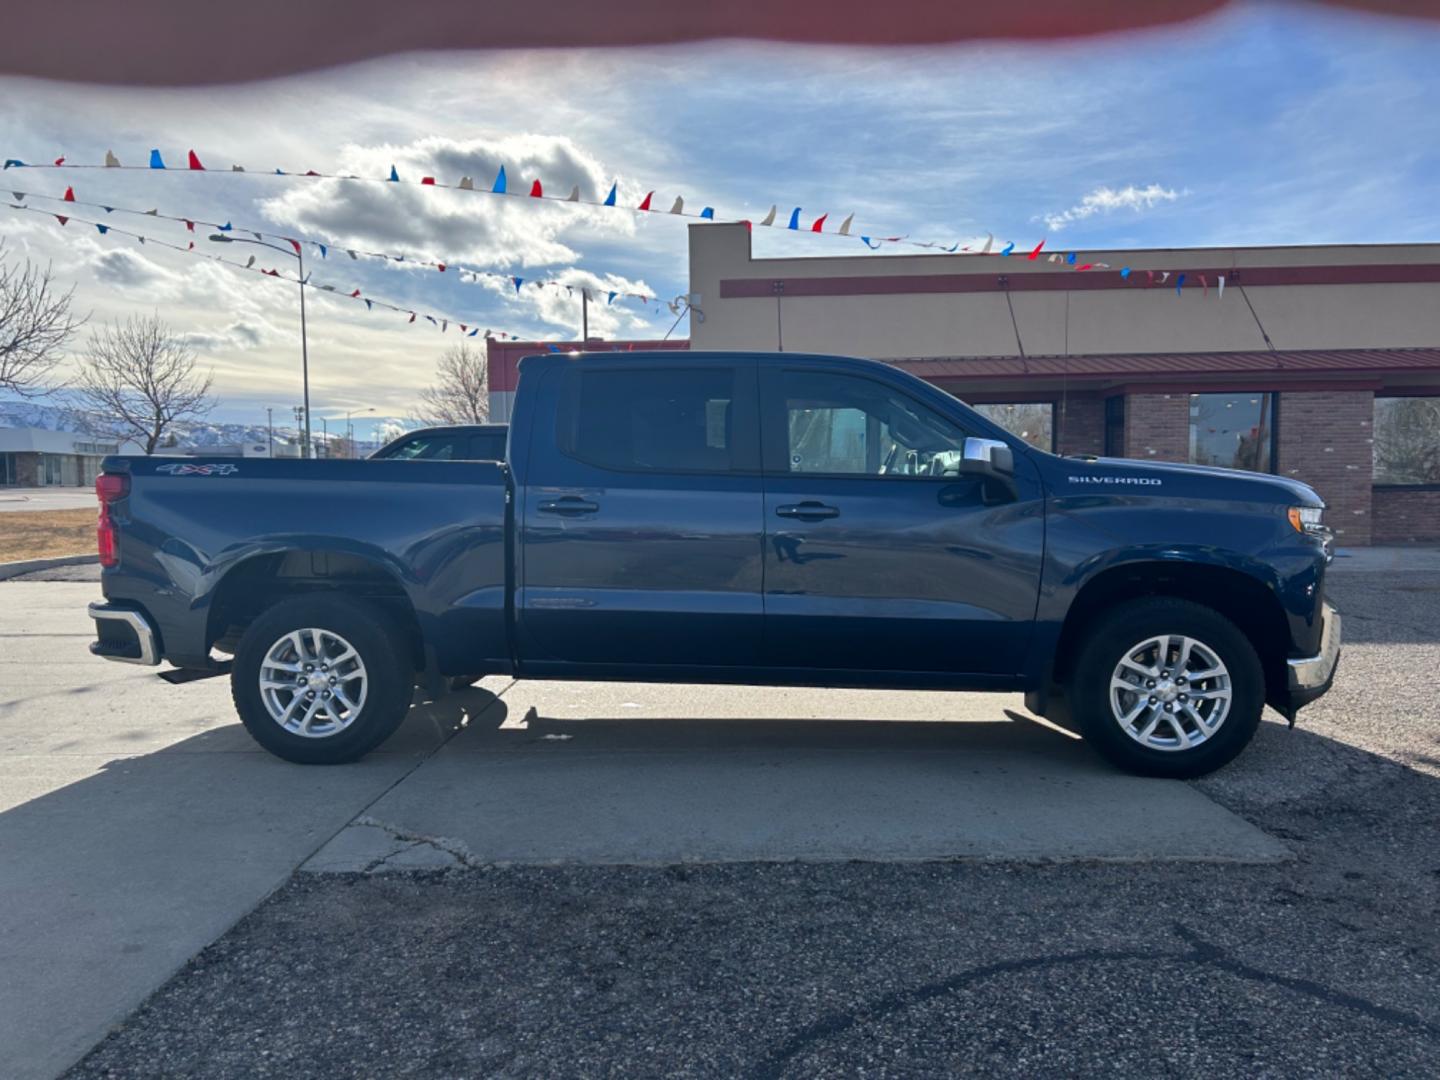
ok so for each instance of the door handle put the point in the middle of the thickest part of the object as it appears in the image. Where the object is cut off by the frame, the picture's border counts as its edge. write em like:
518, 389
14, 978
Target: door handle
807, 511
569, 504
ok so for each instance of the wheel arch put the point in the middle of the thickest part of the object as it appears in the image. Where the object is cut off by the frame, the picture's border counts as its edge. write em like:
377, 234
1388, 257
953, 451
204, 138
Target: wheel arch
1240, 597
254, 584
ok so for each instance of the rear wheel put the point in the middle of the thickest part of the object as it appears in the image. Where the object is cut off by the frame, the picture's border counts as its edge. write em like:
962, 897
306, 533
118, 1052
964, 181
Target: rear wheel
321, 679
1167, 687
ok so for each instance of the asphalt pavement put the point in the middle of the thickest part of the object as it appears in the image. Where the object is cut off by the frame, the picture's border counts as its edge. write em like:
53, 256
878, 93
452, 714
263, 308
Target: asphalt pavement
22, 500
868, 956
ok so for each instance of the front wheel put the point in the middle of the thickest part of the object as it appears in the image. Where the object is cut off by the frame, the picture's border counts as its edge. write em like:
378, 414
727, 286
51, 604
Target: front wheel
1167, 687
321, 679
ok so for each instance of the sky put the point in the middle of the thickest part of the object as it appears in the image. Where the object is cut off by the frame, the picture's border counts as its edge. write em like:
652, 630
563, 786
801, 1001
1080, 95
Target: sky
1267, 124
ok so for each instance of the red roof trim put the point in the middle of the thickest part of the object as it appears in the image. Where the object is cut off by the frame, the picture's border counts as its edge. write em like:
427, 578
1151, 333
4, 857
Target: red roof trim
1071, 280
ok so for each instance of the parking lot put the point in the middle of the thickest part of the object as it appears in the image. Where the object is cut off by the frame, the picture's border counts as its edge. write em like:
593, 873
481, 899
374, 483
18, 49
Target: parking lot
576, 879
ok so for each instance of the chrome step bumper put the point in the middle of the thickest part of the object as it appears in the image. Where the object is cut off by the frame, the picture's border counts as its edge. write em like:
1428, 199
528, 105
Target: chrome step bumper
124, 635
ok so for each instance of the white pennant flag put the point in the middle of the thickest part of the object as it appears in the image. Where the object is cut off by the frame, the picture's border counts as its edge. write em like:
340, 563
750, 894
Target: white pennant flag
1221, 291
111, 161
466, 184
679, 207
845, 225
989, 243
769, 218
574, 195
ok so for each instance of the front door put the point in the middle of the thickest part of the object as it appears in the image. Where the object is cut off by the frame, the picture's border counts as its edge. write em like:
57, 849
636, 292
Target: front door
879, 555
641, 538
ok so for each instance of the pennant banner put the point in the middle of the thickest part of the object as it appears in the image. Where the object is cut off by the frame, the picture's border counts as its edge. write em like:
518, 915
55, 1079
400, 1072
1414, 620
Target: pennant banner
468, 329
323, 247
501, 187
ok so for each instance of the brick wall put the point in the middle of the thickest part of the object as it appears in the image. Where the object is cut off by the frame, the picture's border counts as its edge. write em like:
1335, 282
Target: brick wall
1400, 516
1157, 426
1080, 424
1326, 441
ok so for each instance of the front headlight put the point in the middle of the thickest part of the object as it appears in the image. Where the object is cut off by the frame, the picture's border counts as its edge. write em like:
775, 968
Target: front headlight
1306, 519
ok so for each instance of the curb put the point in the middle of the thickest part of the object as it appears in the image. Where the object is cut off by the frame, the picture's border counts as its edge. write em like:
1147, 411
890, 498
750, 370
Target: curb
25, 566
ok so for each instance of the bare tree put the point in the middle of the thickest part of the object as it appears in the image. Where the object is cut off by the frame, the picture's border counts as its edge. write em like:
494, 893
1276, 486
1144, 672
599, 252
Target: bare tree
461, 391
138, 379
35, 325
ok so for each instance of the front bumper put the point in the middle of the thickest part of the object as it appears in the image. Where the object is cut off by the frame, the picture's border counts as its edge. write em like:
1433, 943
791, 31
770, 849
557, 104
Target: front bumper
123, 634
1311, 676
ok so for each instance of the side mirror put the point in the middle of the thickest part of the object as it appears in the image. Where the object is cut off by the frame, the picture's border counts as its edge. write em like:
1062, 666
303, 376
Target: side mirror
989, 456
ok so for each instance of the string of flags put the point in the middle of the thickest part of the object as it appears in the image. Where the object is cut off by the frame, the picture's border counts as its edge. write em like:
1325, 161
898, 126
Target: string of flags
443, 323
325, 247
501, 186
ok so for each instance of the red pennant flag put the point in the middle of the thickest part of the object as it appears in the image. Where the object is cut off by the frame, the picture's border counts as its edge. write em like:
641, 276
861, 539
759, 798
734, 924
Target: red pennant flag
191, 247
355, 295
749, 225
195, 162
69, 194
1036, 253
1205, 286
536, 191
412, 316
60, 219
463, 328
1150, 275
189, 225
428, 180
311, 172
295, 244
441, 266
271, 273
819, 225
59, 161
1084, 266
646, 204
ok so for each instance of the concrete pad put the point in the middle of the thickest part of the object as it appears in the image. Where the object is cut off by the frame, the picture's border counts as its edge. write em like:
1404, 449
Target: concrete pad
655, 774
138, 822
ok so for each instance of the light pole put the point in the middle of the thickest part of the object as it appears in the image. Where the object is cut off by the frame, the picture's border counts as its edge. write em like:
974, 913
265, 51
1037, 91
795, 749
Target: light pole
221, 238
325, 431
350, 427
270, 426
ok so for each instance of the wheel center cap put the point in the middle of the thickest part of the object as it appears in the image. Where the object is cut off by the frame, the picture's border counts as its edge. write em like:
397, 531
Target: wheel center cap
1166, 690
317, 682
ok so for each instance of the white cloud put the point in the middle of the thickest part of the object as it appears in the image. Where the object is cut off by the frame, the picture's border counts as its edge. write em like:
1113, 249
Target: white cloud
440, 224
1106, 200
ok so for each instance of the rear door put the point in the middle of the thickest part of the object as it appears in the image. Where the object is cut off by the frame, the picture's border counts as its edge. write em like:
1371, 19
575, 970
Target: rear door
641, 516
880, 556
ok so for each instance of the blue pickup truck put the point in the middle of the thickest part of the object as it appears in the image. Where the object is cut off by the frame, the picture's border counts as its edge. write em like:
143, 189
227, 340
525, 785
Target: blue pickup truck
773, 519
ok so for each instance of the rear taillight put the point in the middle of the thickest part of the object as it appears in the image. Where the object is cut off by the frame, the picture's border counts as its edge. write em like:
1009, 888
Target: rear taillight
109, 488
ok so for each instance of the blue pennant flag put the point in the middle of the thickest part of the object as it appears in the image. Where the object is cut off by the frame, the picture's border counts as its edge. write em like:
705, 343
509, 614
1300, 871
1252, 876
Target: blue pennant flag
156, 162
108, 209
473, 332
873, 245
14, 163
708, 212
610, 199
103, 229
794, 219
226, 227
1124, 271
1070, 258
553, 348
394, 176
324, 254
499, 186
1180, 281
369, 306
518, 282
612, 298
279, 172
1008, 248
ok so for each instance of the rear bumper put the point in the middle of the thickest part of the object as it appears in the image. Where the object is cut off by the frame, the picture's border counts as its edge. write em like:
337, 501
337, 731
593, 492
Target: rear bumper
123, 634
1311, 676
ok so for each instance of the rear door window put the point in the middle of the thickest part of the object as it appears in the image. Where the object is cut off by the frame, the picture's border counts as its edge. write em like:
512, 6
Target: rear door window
648, 419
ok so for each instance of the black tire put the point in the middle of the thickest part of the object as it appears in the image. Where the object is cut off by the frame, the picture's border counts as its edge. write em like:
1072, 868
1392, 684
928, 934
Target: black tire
382, 651
1107, 641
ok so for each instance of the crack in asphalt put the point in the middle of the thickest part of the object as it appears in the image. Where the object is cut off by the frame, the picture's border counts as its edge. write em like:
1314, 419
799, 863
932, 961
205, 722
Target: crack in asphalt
1200, 952
453, 848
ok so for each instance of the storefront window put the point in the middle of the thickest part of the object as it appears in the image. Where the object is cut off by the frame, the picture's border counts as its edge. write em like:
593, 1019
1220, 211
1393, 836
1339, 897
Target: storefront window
1235, 431
1032, 421
8, 474
1407, 440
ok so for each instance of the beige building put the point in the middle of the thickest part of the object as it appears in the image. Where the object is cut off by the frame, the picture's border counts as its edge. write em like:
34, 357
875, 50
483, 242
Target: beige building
1321, 363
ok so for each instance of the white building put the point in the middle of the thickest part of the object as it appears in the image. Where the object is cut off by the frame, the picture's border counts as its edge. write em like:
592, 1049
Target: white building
37, 457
